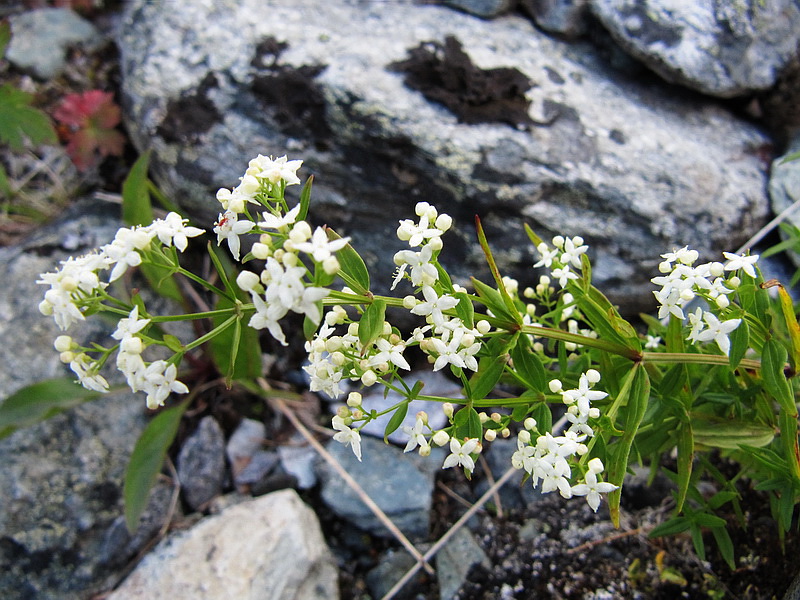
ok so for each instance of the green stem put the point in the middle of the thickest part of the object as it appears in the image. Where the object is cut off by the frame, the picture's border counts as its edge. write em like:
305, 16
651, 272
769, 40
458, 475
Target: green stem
583, 340
698, 359
199, 280
211, 334
195, 316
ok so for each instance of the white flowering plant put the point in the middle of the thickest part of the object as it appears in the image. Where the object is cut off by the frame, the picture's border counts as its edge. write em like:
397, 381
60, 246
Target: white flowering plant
586, 393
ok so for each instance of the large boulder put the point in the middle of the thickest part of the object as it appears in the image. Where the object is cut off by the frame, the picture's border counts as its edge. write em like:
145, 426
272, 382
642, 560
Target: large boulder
392, 103
725, 48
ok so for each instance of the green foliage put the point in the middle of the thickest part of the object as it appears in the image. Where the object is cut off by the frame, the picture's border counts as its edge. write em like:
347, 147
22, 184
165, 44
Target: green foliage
147, 461
40, 401
20, 121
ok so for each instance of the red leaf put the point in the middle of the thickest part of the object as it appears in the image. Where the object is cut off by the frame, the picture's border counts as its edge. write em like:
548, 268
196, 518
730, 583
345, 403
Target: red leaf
90, 118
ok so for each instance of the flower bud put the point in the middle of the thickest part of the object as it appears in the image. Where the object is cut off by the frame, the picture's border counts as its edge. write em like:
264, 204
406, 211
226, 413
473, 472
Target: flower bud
558, 241
423, 416
444, 222
261, 251
593, 375
440, 438
555, 386
734, 282
722, 301
369, 378
331, 265
247, 281
338, 359
300, 233
447, 409
358, 415
409, 302
529, 423
483, 326
343, 412
505, 432
63, 343
67, 357
687, 295
425, 450
436, 244
46, 308
483, 417
132, 345
421, 208
524, 436
489, 435
496, 417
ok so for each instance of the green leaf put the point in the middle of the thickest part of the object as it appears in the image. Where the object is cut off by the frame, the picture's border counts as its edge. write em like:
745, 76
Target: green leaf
740, 342
528, 366
605, 320
492, 299
19, 120
535, 239
237, 354
395, 421
773, 360
467, 423
635, 393
370, 327
40, 401
790, 158
147, 460
162, 281
353, 270
465, 310
673, 526
305, 199
5, 185
725, 545
498, 279
730, 434
136, 206
685, 459
490, 368
790, 319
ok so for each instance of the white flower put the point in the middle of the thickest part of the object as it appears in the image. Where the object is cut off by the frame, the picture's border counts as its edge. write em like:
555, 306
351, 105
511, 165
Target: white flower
423, 271
389, 353
158, 381
547, 256
416, 234
718, 331
86, 370
652, 342
416, 435
736, 262
228, 227
573, 248
591, 488
173, 230
275, 170
123, 251
267, 317
583, 396
523, 458
279, 222
347, 436
320, 247
460, 454
434, 305
563, 274
130, 325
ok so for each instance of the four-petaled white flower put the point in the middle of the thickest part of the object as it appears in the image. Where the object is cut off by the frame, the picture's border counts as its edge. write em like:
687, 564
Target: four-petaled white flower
389, 353
281, 223
460, 454
416, 435
591, 488
173, 229
718, 331
320, 247
275, 170
736, 262
347, 436
229, 228
130, 325
434, 305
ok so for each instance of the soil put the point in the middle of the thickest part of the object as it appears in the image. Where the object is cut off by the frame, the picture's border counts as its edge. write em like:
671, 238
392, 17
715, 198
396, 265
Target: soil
550, 549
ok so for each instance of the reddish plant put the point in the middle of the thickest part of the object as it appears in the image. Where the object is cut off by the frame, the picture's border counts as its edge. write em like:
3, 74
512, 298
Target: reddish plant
88, 122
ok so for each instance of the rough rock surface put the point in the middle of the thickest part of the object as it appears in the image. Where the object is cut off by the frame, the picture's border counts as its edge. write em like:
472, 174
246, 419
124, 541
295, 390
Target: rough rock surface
40, 39
262, 549
784, 189
61, 532
400, 484
724, 48
201, 463
630, 165
565, 17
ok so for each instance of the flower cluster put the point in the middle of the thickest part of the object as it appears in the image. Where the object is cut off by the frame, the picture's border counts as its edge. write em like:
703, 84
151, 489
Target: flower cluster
77, 287
547, 457
683, 281
564, 259
285, 283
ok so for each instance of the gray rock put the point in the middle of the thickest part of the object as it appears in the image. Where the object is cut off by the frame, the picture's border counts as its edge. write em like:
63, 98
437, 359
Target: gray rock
725, 49
565, 17
629, 166
392, 566
784, 189
455, 559
400, 484
40, 39
483, 8
245, 441
201, 463
264, 549
297, 459
61, 481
